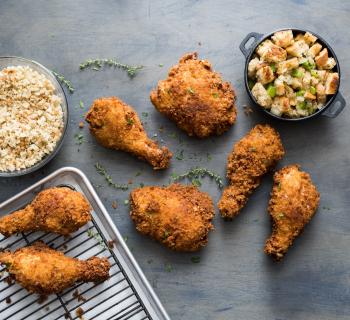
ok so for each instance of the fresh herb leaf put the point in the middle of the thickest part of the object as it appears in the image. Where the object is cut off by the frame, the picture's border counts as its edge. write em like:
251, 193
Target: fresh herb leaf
126, 202
173, 135
196, 183
190, 90
142, 184
130, 121
126, 238
99, 239
161, 65
209, 157
97, 64
168, 267
79, 138
196, 259
196, 173
81, 104
145, 114
166, 234
215, 95
138, 173
102, 171
279, 186
64, 81
180, 155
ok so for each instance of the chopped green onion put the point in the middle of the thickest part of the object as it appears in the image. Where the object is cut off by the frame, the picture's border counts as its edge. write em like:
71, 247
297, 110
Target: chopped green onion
271, 90
312, 90
302, 105
297, 73
314, 73
308, 66
300, 93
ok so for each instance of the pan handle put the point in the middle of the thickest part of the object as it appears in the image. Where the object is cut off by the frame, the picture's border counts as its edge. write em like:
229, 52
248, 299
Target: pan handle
338, 105
256, 36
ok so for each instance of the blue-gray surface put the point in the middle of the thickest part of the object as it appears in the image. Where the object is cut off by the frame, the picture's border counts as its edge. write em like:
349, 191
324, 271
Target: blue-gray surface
234, 279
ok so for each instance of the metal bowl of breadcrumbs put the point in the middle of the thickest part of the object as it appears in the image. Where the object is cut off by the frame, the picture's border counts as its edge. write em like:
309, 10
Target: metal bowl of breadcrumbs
33, 116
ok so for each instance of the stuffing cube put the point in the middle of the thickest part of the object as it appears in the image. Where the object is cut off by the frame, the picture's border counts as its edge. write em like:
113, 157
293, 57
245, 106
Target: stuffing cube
261, 95
332, 83
265, 75
283, 38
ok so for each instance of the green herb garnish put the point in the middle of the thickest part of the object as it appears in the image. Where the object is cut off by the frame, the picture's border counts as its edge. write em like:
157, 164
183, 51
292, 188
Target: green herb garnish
215, 95
196, 259
196, 173
97, 64
91, 234
102, 171
190, 90
180, 155
81, 104
168, 267
64, 81
130, 121
161, 65
126, 202
196, 182
79, 138
166, 234
145, 114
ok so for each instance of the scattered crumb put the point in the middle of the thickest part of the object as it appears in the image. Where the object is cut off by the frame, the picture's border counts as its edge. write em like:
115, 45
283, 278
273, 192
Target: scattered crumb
65, 247
41, 299
247, 110
161, 129
66, 315
79, 312
81, 124
149, 261
110, 244
9, 280
47, 308
130, 181
114, 204
8, 300
199, 43
76, 294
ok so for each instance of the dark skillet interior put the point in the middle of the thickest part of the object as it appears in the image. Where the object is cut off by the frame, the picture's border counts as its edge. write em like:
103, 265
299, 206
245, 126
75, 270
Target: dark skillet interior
295, 32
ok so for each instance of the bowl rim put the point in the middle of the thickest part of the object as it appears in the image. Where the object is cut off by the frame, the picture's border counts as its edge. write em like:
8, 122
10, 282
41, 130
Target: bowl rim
323, 42
64, 105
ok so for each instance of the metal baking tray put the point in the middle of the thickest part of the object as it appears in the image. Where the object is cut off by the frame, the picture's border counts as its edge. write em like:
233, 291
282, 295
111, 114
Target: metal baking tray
126, 295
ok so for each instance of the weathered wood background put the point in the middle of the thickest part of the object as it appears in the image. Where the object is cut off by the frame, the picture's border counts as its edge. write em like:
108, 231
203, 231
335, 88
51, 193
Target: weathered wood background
234, 279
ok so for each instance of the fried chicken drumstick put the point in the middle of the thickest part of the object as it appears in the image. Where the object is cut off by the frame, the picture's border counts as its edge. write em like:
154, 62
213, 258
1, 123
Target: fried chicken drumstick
59, 210
253, 156
116, 125
177, 216
42, 270
196, 98
294, 201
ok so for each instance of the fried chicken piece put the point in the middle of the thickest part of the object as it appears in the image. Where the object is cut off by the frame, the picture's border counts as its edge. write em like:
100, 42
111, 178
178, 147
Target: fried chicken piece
59, 210
43, 270
253, 156
116, 125
294, 201
196, 98
178, 216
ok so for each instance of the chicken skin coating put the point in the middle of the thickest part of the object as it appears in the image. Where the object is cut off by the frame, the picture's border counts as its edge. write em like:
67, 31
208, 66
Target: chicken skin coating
59, 210
42, 270
177, 216
252, 156
294, 201
116, 125
196, 98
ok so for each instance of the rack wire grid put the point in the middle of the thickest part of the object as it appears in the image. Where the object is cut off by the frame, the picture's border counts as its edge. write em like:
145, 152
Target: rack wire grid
113, 299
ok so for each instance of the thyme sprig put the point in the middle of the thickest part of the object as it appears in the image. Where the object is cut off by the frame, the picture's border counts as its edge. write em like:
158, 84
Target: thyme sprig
64, 81
98, 238
97, 64
195, 173
103, 172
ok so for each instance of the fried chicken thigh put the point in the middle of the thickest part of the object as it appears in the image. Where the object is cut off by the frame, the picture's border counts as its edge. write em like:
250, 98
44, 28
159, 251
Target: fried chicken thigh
253, 156
177, 216
294, 201
59, 210
116, 125
42, 270
196, 98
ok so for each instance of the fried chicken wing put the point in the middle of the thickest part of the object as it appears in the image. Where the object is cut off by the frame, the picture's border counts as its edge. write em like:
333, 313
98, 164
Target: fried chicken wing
196, 98
294, 201
59, 210
177, 216
42, 270
253, 156
116, 125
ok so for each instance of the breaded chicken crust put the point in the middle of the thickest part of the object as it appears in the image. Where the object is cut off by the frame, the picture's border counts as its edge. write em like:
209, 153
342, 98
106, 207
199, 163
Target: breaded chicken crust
196, 98
252, 156
59, 210
43, 270
294, 201
178, 216
116, 125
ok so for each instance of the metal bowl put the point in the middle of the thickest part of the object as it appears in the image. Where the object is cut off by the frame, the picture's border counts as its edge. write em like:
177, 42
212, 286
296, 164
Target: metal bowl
18, 61
335, 103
